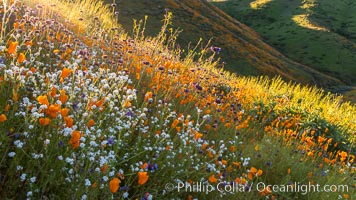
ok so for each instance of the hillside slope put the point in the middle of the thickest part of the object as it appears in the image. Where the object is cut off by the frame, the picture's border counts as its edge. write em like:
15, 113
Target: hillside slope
243, 49
87, 112
317, 33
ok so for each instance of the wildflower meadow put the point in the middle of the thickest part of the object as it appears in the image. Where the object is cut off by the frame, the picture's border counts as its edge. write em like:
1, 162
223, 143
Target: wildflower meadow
90, 112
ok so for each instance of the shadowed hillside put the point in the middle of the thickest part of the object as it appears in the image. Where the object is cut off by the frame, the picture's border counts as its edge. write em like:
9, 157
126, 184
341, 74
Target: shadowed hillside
319, 34
243, 50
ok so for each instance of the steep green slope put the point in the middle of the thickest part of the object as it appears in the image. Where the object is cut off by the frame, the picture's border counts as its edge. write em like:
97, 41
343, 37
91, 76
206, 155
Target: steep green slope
243, 50
319, 34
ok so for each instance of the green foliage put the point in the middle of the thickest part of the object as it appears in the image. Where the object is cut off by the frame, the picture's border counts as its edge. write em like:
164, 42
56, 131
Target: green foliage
330, 50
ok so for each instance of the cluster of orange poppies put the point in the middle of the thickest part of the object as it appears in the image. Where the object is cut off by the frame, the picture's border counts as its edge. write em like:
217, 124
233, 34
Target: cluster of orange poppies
167, 108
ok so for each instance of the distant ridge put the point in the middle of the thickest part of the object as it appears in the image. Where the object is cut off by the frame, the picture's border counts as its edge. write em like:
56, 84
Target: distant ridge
243, 49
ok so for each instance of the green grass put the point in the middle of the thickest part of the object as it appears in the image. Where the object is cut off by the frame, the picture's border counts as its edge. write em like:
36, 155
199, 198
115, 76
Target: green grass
88, 112
331, 52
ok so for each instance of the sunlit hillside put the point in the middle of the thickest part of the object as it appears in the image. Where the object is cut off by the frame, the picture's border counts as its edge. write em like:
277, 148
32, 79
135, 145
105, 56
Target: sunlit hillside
89, 111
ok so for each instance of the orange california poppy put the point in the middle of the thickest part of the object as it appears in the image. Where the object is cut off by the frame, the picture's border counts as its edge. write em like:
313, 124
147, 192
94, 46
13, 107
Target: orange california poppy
21, 58
66, 72
3, 118
53, 92
16, 25
204, 146
343, 155
43, 100
12, 47
148, 95
53, 110
142, 178
64, 112
69, 121
91, 123
198, 135
114, 185
75, 141
29, 43
253, 170
212, 179
44, 121
7, 107
127, 104
100, 102
175, 123
63, 97
144, 166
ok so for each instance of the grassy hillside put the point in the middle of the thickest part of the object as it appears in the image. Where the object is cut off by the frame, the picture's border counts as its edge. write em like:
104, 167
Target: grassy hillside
319, 34
243, 50
90, 112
